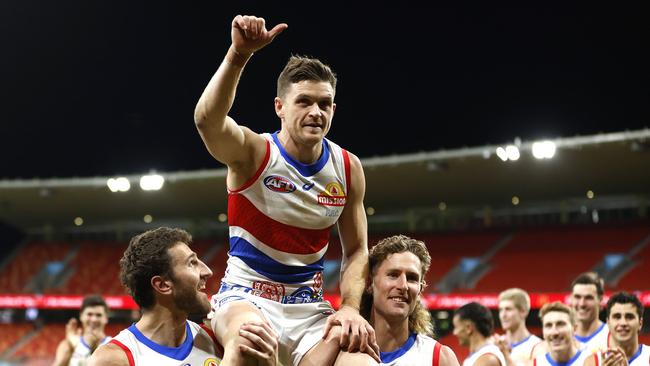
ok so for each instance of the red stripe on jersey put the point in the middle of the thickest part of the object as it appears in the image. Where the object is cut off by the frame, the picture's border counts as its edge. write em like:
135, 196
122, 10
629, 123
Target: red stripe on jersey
279, 236
214, 338
436, 354
346, 164
258, 172
596, 358
126, 350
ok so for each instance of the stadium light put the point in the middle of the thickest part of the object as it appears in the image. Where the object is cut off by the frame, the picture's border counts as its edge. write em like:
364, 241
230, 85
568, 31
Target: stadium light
152, 182
120, 184
510, 152
501, 153
544, 149
513, 152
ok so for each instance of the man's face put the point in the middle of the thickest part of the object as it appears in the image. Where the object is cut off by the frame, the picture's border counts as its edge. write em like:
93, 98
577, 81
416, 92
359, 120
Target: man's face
624, 323
189, 276
558, 331
509, 315
462, 330
306, 111
585, 302
396, 286
93, 318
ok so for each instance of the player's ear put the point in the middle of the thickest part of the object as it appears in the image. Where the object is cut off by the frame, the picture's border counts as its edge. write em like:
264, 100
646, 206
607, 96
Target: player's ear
368, 286
278, 107
161, 284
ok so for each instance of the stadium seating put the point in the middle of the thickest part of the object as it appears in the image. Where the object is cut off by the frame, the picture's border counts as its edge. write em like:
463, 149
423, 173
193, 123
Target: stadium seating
548, 259
30, 260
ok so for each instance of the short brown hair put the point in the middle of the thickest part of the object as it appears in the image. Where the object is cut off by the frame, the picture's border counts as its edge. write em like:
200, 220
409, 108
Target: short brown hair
420, 320
147, 256
590, 278
560, 307
93, 300
300, 68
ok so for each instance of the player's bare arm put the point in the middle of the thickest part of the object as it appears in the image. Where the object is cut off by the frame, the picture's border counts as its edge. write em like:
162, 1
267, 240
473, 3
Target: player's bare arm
356, 332
488, 359
238, 147
448, 357
109, 355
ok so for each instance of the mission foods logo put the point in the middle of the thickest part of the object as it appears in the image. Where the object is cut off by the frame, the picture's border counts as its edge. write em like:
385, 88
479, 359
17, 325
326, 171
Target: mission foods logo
280, 184
333, 195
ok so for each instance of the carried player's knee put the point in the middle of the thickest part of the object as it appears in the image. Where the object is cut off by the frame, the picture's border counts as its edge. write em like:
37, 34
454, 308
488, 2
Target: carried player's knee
228, 319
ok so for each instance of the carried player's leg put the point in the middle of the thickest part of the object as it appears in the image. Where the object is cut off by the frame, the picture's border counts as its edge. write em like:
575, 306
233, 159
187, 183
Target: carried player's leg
226, 323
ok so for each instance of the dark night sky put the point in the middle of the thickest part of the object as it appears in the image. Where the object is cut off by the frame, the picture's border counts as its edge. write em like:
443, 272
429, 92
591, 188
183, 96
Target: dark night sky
109, 87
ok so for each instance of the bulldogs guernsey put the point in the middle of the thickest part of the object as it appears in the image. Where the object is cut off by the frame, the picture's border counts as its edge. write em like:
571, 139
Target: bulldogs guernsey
280, 222
487, 348
82, 353
597, 341
522, 352
419, 350
577, 360
199, 348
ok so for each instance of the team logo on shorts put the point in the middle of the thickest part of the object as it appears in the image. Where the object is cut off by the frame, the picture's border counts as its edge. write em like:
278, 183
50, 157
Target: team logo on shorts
280, 184
269, 290
211, 362
333, 195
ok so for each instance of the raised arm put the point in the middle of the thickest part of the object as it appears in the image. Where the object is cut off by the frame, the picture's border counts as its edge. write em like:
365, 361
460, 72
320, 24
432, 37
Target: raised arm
229, 143
66, 347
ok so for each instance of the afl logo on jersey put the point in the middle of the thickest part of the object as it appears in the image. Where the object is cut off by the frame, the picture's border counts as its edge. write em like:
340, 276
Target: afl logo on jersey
333, 195
280, 184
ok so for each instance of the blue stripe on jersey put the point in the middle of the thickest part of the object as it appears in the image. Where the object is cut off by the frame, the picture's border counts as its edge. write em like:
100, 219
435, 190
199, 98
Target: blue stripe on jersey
268, 267
178, 353
572, 360
83, 341
513, 345
635, 355
388, 357
306, 170
587, 338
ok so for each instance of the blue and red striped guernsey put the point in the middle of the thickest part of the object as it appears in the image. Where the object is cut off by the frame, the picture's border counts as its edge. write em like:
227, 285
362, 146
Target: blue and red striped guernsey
280, 220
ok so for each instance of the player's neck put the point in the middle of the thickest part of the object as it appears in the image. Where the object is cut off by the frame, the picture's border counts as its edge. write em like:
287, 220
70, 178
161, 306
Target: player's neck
162, 327
585, 329
476, 342
518, 334
565, 355
390, 335
629, 348
306, 154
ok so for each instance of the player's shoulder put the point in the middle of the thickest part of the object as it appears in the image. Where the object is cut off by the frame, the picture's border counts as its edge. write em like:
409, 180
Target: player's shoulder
110, 354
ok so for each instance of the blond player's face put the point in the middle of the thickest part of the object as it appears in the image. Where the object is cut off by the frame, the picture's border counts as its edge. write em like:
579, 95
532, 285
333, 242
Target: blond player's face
509, 315
558, 331
93, 318
585, 302
306, 111
624, 323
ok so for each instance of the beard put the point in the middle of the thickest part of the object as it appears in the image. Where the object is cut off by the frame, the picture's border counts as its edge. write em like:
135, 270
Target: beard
191, 301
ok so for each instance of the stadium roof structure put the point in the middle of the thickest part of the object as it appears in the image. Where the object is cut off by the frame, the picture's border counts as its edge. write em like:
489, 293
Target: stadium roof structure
615, 167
